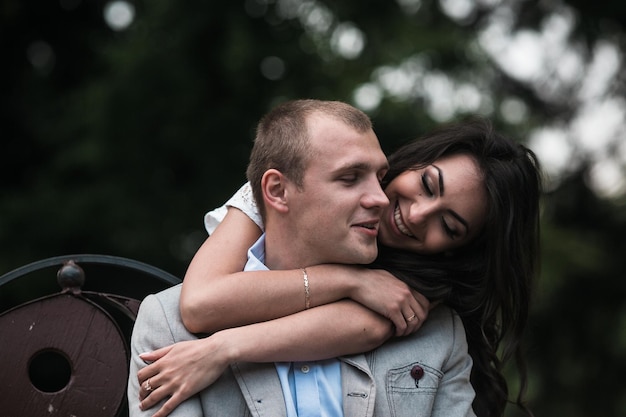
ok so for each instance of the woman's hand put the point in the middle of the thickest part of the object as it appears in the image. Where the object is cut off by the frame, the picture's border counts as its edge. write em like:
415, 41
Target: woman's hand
383, 293
180, 371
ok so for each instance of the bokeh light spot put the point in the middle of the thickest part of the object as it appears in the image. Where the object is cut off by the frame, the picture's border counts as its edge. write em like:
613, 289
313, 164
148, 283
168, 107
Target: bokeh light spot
273, 68
119, 15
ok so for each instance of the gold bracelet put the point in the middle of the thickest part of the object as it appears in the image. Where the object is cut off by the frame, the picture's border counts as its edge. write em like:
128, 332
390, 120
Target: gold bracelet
307, 290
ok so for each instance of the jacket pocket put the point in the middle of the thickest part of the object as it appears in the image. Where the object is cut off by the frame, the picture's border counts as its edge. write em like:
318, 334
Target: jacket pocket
411, 389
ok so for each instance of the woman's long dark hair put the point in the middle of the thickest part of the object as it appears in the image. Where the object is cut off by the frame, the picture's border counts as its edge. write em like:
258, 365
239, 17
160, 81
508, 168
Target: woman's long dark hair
489, 281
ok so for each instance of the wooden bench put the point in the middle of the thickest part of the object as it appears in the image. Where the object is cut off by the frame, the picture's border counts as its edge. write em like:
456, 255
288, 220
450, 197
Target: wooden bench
66, 353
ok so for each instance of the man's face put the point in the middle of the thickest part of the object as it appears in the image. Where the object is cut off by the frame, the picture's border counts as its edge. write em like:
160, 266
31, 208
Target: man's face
337, 211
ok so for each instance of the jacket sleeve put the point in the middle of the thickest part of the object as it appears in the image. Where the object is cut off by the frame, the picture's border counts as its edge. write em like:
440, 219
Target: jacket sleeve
156, 326
456, 394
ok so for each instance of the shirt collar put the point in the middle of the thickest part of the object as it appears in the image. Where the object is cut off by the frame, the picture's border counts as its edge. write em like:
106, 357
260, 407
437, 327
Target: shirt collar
256, 256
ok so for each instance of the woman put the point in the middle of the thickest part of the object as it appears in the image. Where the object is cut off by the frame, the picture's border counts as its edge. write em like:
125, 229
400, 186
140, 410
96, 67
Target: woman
484, 273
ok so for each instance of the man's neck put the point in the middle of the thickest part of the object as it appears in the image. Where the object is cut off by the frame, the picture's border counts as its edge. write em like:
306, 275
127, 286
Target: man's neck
281, 253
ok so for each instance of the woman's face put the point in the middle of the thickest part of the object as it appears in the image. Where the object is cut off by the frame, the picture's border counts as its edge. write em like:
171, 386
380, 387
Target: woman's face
436, 208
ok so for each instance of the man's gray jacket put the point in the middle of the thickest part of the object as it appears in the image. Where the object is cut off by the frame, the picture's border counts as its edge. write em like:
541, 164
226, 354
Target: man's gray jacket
425, 374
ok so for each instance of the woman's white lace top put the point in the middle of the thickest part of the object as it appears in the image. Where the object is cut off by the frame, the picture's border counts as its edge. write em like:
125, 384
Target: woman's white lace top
242, 200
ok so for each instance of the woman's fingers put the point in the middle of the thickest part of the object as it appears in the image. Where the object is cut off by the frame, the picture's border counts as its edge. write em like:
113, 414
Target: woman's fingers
147, 381
180, 371
399, 321
155, 355
168, 406
146, 387
153, 397
413, 316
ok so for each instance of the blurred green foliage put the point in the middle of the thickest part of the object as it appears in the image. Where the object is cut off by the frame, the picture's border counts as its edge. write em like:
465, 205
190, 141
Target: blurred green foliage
117, 142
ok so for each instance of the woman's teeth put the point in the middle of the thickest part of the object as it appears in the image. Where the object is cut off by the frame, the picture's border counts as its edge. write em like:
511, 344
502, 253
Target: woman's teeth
397, 217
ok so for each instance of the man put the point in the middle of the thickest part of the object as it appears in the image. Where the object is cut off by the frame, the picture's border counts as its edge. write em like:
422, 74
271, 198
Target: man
321, 204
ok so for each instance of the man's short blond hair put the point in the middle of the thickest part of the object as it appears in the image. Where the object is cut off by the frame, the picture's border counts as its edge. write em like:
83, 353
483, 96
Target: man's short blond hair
282, 139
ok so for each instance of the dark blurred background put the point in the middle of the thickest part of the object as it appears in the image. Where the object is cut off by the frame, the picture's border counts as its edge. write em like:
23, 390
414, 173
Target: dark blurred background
123, 122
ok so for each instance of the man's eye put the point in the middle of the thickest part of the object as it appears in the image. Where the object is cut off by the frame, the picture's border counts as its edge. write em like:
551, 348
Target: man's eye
349, 179
381, 175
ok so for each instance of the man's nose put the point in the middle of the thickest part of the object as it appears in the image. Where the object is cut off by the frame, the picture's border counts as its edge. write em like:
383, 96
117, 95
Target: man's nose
376, 197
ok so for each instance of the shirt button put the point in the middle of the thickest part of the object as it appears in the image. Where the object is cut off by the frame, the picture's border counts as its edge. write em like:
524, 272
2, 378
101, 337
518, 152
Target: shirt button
305, 369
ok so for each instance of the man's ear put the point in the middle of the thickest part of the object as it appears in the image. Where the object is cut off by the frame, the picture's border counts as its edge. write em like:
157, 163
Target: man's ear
273, 184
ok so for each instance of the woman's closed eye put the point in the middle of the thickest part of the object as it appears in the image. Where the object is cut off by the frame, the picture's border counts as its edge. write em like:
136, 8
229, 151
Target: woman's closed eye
452, 233
426, 184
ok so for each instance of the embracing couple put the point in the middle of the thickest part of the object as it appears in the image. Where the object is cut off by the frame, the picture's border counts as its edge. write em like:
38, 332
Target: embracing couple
307, 298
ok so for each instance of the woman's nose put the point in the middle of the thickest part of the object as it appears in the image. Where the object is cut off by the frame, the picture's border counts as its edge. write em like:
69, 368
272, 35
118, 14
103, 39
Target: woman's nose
420, 212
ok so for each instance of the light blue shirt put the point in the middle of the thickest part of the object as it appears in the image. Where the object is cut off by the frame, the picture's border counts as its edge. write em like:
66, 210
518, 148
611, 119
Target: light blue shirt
310, 389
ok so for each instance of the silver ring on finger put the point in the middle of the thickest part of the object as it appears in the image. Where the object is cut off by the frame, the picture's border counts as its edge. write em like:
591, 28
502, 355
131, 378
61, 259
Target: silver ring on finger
410, 319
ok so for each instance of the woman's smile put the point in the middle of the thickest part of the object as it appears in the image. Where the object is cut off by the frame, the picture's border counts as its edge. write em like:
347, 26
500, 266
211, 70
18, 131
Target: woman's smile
397, 217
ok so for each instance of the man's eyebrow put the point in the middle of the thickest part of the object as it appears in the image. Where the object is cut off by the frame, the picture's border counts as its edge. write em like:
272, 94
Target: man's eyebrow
360, 166
452, 212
